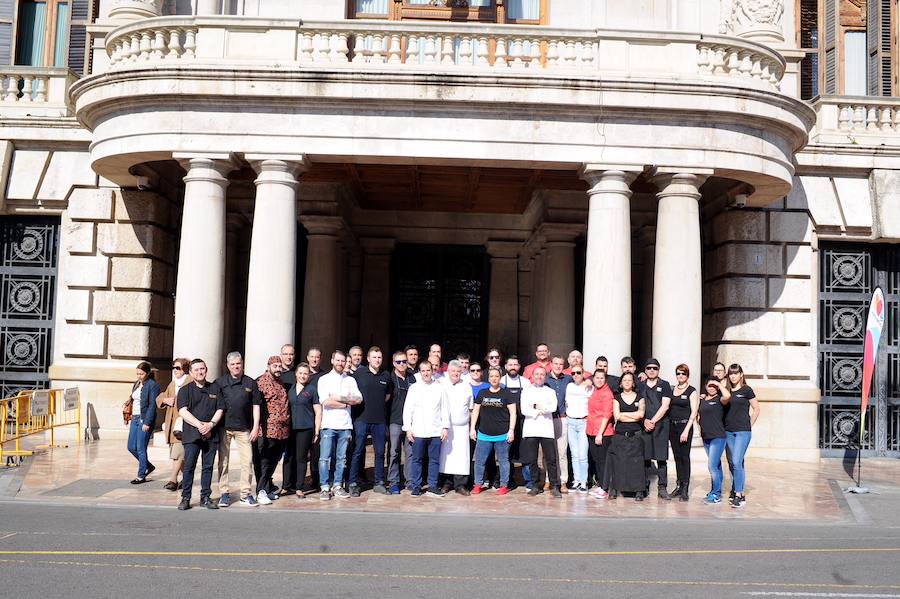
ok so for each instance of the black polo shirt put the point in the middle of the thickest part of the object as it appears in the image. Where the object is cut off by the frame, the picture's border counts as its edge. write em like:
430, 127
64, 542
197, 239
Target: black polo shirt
289, 378
303, 415
240, 396
373, 388
399, 388
202, 403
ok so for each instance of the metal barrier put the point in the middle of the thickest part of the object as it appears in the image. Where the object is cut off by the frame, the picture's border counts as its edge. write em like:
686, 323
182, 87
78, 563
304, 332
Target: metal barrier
37, 411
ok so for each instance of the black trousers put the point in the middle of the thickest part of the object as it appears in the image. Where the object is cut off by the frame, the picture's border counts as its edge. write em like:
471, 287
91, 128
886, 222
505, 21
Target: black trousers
270, 451
299, 448
597, 455
192, 451
459, 481
662, 473
528, 453
681, 451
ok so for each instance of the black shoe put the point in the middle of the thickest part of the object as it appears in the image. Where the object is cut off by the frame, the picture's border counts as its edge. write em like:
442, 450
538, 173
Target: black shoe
676, 492
685, 492
150, 468
287, 491
555, 492
209, 504
184, 505
354, 490
663, 495
171, 486
731, 495
138, 481
639, 496
447, 487
613, 494
535, 490
180, 485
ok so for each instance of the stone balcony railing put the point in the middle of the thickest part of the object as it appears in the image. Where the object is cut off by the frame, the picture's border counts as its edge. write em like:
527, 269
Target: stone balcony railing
470, 48
35, 91
863, 121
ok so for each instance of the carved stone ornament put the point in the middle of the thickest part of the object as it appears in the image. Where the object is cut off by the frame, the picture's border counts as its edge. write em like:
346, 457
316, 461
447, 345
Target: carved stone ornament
758, 20
450, 3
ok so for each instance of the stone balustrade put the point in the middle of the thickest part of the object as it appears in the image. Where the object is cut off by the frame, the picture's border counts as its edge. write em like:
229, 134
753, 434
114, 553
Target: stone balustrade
867, 120
368, 44
35, 90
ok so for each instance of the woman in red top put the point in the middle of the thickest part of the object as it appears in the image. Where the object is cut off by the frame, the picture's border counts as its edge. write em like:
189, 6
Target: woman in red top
600, 430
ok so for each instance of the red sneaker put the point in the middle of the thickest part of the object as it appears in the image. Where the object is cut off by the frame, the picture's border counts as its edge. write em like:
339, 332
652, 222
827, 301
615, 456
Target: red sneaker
502, 491
476, 489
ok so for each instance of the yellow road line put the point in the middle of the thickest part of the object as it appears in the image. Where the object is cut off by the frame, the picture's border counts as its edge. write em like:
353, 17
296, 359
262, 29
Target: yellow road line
117, 553
438, 577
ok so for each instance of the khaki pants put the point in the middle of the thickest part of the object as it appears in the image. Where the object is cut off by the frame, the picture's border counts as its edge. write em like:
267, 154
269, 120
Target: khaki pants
561, 432
245, 455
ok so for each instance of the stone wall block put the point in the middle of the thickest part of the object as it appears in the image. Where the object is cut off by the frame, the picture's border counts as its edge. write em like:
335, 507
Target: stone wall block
75, 304
86, 271
742, 325
738, 225
790, 293
790, 226
83, 339
799, 260
141, 207
748, 259
138, 342
138, 240
139, 273
738, 292
90, 204
77, 237
798, 327
752, 358
792, 361
123, 306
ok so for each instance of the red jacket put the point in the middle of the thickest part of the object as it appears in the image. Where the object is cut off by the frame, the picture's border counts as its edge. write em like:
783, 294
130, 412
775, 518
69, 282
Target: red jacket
600, 406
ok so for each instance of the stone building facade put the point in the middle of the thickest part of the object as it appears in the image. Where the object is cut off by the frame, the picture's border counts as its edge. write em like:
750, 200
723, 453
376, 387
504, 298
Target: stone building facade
696, 180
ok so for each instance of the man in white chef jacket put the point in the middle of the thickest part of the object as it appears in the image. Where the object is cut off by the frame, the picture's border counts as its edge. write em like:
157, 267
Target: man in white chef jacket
455, 457
538, 404
426, 422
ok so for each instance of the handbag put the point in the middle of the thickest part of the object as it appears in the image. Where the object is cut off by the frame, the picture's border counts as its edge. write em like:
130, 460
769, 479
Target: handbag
127, 411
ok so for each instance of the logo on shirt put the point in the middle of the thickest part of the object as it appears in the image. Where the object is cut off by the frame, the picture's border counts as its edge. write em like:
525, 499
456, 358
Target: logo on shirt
248, 390
383, 382
212, 396
659, 388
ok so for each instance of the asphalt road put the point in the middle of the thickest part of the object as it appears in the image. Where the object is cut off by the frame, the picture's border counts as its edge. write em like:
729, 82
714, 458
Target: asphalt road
109, 551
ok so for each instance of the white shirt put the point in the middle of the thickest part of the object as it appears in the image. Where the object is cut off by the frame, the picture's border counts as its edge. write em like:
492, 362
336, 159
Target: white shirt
519, 382
342, 385
459, 402
136, 400
538, 421
426, 411
437, 376
577, 400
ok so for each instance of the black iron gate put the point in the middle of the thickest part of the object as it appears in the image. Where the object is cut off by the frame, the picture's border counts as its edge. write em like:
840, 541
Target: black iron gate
440, 295
28, 270
848, 275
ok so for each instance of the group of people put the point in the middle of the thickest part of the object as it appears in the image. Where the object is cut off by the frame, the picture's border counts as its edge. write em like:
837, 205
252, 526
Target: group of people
441, 422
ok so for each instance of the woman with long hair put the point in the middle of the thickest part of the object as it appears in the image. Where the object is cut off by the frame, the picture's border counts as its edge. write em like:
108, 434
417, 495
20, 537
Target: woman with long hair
741, 415
166, 401
682, 416
143, 415
626, 450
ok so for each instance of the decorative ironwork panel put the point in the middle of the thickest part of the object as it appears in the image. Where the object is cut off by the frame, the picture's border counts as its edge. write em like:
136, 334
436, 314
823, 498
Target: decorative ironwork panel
28, 273
441, 296
848, 275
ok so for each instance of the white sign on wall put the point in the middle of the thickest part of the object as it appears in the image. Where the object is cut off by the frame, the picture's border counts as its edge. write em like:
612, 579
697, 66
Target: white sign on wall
40, 403
70, 400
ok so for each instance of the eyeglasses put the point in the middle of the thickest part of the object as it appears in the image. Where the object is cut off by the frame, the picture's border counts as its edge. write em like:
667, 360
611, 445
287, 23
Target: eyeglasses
577, 372
401, 361
652, 368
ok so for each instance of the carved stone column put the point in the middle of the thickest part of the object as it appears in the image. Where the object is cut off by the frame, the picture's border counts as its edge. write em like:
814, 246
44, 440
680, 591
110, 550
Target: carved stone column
558, 327
375, 313
324, 269
503, 312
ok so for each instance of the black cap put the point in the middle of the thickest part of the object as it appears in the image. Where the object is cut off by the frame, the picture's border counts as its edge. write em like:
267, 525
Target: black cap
652, 362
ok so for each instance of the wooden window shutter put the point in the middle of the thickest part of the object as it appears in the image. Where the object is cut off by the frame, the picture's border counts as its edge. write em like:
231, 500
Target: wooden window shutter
7, 12
878, 31
829, 47
809, 41
78, 35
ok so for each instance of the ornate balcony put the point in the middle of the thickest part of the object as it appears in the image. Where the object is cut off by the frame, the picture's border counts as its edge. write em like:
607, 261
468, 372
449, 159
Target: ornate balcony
404, 92
857, 121
35, 92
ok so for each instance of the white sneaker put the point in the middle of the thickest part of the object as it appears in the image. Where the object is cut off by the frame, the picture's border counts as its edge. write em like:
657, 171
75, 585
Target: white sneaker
600, 494
263, 498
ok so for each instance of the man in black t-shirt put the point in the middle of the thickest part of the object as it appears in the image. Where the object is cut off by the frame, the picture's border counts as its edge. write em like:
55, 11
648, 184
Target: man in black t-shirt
242, 416
657, 395
398, 444
201, 408
375, 388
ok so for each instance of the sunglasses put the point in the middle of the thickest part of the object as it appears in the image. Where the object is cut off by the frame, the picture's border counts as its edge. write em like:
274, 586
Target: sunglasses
474, 370
493, 357
176, 368
652, 368
401, 361
679, 373
577, 372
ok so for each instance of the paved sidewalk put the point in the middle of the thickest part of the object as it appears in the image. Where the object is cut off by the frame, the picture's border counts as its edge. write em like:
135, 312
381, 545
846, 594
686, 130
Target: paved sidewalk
99, 472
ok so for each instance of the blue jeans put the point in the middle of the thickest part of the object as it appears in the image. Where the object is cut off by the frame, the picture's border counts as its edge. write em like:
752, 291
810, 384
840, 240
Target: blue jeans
483, 452
326, 450
578, 446
737, 446
362, 429
714, 449
138, 441
421, 445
